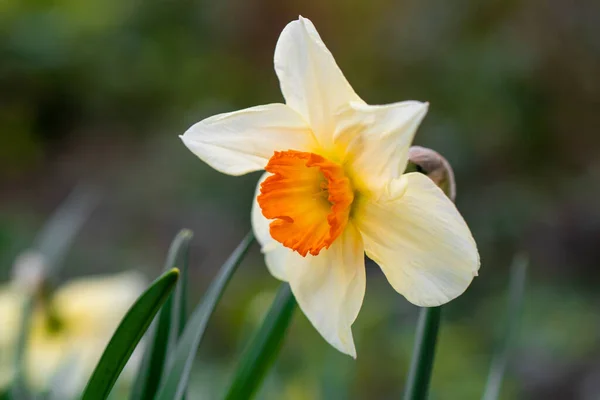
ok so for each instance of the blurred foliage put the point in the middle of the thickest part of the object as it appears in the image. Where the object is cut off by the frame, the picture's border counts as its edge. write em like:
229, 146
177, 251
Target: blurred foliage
97, 91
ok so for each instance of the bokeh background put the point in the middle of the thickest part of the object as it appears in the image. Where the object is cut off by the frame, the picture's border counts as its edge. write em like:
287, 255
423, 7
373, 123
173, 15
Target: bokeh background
97, 92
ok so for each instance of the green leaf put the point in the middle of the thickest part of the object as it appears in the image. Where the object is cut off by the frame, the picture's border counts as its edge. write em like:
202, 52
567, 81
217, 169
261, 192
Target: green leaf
163, 335
176, 380
128, 334
419, 376
5, 394
180, 303
181, 292
19, 388
516, 289
264, 347
56, 237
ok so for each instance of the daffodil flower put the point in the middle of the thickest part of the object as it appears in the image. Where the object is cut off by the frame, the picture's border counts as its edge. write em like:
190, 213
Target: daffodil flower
334, 189
69, 330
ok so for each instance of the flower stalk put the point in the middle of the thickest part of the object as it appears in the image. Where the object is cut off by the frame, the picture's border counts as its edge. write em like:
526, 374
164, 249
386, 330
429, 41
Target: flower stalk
436, 167
421, 366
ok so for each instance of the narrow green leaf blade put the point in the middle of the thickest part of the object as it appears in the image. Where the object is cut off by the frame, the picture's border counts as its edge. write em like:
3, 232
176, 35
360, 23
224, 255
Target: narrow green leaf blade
181, 292
56, 237
180, 304
516, 289
419, 376
264, 347
128, 334
5, 394
163, 335
19, 388
176, 379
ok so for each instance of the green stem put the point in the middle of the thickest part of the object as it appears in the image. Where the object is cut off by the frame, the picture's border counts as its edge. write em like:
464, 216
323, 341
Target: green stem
421, 365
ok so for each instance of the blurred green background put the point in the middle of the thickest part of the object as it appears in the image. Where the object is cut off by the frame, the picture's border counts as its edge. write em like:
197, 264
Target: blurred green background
97, 91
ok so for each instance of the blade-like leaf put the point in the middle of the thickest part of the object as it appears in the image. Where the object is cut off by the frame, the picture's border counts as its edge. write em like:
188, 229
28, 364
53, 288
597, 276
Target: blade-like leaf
5, 394
55, 238
128, 334
163, 335
516, 288
19, 388
181, 291
264, 347
419, 376
180, 304
176, 379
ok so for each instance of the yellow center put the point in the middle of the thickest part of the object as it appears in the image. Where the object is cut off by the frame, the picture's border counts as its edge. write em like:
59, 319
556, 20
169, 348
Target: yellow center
309, 197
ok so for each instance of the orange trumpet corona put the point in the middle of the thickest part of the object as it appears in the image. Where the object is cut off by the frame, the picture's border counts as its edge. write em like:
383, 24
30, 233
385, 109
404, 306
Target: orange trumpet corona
308, 197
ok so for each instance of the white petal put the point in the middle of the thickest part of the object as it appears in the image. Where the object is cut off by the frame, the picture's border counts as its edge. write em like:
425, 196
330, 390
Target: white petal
330, 288
90, 309
243, 141
99, 302
276, 255
310, 79
12, 300
376, 140
420, 241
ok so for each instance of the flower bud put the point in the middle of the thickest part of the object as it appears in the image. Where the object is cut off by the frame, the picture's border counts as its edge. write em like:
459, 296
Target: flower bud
436, 167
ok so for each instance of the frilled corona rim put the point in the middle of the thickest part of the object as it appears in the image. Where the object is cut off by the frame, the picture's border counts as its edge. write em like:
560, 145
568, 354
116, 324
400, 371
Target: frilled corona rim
309, 199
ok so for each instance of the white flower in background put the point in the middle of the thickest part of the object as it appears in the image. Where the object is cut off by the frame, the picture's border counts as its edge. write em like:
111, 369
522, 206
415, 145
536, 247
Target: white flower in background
335, 189
70, 329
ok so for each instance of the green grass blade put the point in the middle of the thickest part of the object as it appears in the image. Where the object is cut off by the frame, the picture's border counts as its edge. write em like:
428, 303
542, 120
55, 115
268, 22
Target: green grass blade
128, 334
419, 376
176, 380
163, 335
55, 238
5, 394
516, 289
181, 292
264, 347
180, 302
19, 388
